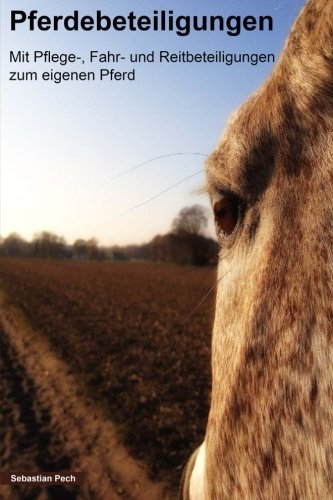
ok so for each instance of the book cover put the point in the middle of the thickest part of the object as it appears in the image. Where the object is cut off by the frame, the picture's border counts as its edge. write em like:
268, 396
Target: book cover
118, 200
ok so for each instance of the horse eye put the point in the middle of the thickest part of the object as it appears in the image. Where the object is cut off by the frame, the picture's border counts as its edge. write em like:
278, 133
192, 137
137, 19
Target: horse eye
226, 214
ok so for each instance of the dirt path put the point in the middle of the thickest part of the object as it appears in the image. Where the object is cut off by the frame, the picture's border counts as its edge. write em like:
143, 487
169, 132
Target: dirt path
47, 426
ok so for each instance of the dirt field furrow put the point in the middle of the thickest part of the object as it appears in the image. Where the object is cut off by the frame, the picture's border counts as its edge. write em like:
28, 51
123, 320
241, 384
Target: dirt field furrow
27, 443
47, 426
132, 340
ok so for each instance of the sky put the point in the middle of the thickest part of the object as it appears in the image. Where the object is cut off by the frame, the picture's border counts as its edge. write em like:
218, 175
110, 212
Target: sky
64, 146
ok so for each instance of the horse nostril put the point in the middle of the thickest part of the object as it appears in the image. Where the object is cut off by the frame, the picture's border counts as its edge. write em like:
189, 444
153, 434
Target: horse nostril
226, 214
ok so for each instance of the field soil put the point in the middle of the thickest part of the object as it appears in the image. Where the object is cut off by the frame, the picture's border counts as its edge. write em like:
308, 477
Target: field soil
107, 371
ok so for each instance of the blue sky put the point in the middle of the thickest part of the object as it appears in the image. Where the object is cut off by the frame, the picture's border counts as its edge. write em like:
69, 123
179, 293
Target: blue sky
62, 144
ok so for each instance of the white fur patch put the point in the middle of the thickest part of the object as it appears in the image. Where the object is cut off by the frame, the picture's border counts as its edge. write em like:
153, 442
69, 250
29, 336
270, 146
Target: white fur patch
197, 476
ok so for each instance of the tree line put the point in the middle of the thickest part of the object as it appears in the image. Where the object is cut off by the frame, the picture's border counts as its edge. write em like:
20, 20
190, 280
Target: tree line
186, 243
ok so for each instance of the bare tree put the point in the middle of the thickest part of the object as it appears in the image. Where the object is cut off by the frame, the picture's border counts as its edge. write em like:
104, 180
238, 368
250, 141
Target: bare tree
14, 245
50, 245
80, 249
92, 248
191, 220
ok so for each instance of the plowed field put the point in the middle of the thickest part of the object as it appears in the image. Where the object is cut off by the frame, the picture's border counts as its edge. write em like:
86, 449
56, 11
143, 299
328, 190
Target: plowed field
135, 338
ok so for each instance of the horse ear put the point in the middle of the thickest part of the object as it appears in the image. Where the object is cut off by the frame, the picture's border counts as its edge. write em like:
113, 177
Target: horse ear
307, 60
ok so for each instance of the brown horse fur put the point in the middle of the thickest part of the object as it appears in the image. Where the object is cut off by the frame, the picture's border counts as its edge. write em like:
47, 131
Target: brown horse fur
270, 428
